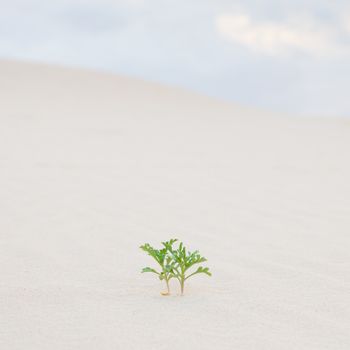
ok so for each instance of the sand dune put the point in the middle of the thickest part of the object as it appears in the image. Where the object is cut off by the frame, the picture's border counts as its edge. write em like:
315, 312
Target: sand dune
92, 165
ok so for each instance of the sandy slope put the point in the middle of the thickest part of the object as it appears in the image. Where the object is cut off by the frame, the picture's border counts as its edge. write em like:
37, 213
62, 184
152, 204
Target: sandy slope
93, 165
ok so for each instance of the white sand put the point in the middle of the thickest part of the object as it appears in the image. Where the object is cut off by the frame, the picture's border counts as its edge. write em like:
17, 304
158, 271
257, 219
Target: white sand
93, 165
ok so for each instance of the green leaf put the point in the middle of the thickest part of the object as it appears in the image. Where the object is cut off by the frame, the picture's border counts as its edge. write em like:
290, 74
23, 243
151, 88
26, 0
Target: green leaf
148, 269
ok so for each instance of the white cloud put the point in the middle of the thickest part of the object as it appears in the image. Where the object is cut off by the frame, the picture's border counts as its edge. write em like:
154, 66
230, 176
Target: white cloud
277, 38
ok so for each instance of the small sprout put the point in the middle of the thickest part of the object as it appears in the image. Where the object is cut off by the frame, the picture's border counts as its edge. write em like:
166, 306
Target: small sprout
184, 261
163, 259
175, 263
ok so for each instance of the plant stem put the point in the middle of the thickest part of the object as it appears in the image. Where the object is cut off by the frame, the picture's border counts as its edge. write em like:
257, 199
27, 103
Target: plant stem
167, 285
182, 283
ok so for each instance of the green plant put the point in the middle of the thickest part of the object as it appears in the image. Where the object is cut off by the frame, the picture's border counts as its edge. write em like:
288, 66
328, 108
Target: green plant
183, 262
163, 259
175, 263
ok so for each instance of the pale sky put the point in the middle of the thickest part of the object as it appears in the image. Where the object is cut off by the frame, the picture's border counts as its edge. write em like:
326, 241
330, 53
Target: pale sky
291, 56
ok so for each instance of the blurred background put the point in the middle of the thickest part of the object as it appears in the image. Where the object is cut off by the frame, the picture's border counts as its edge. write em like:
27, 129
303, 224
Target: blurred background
288, 56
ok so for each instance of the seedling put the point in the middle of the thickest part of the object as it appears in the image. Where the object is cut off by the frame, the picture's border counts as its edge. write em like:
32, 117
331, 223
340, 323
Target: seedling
174, 263
164, 260
184, 261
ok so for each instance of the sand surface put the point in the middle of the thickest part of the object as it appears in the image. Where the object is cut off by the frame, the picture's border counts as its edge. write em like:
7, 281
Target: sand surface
92, 165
